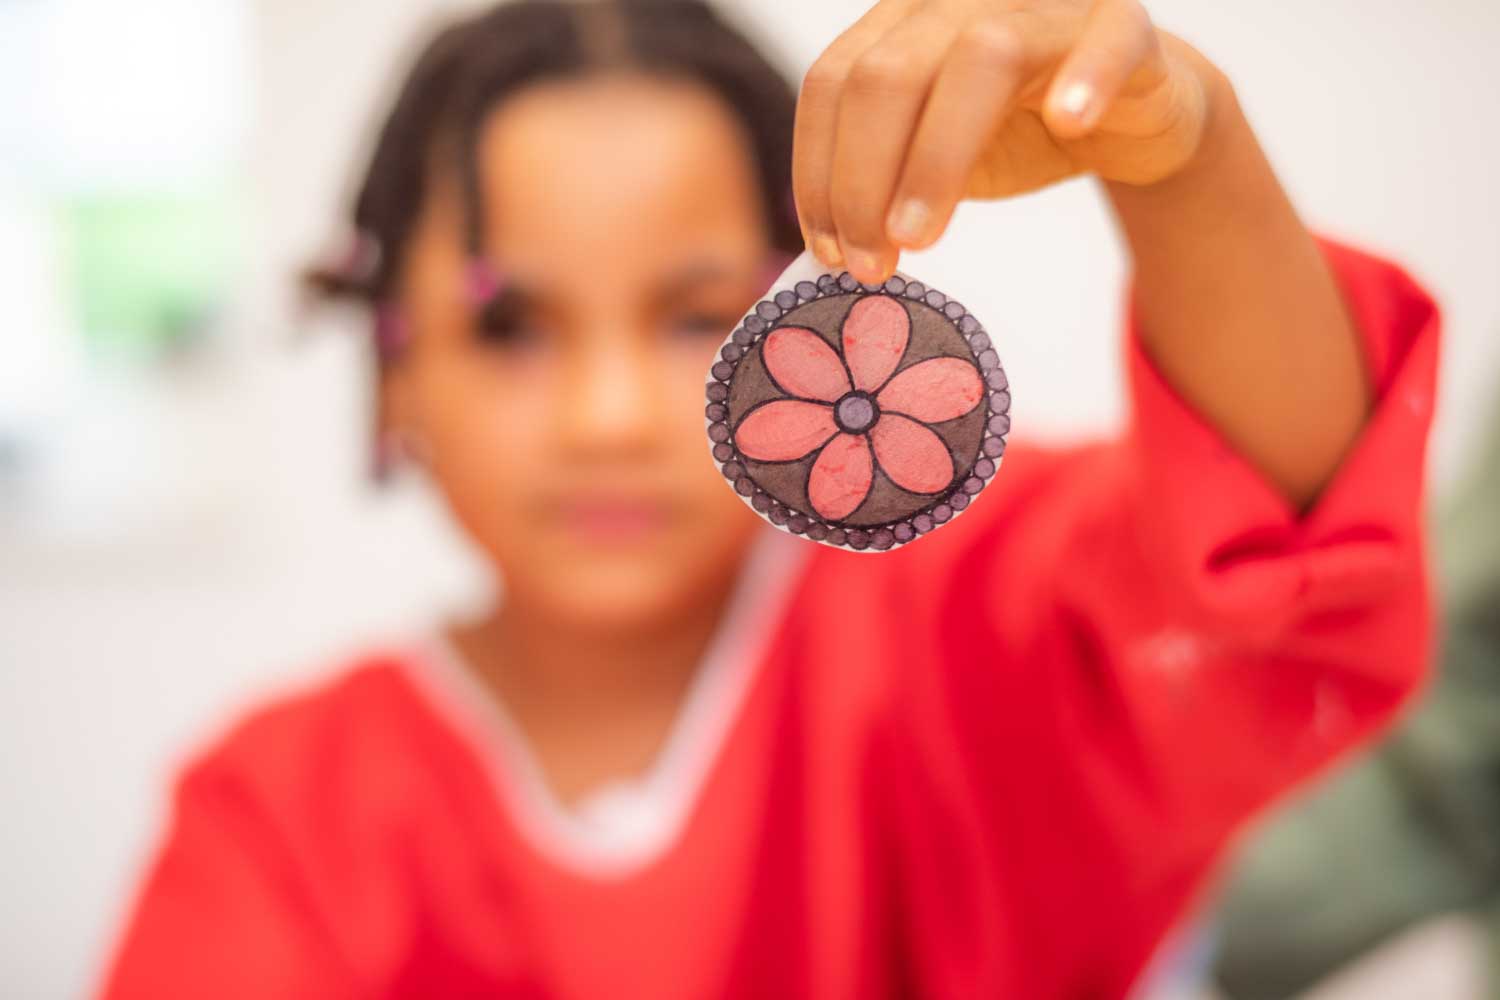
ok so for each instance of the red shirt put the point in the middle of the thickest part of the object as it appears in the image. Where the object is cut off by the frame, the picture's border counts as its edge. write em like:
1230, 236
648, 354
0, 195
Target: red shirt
996, 763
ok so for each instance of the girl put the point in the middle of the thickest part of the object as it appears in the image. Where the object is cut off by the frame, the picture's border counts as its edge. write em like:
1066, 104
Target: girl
688, 757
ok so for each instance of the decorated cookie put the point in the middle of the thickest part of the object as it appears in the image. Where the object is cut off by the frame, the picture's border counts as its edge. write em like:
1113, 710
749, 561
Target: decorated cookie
859, 416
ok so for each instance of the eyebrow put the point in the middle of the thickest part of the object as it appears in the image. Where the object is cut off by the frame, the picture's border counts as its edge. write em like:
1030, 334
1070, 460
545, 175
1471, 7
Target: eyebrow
689, 277
516, 294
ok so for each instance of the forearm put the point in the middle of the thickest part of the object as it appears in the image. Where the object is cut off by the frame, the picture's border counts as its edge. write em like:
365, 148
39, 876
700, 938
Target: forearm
1238, 310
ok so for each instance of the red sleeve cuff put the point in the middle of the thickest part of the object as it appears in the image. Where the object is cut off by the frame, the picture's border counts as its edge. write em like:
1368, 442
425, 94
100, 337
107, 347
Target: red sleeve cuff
1217, 523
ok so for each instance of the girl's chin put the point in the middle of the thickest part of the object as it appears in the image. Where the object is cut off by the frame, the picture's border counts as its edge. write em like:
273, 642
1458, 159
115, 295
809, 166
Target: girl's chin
614, 591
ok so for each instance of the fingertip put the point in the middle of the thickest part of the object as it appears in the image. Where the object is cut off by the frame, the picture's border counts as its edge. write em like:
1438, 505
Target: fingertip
870, 266
910, 223
826, 249
1073, 108
1076, 98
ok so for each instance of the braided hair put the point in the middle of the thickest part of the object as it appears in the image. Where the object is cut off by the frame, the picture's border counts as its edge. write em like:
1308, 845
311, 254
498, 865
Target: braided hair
467, 68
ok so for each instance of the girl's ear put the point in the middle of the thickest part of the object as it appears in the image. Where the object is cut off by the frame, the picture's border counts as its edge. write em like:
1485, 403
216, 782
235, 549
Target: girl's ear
396, 432
399, 440
386, 456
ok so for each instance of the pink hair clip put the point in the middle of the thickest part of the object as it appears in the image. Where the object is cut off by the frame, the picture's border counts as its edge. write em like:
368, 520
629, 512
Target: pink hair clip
360, 257
481, 281
391, 333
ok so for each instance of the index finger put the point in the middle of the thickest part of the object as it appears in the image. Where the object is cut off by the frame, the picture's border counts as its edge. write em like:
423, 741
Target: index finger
817, 124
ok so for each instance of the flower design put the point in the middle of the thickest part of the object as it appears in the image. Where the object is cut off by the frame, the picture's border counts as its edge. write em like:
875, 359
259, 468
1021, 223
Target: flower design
856, 411
858, 416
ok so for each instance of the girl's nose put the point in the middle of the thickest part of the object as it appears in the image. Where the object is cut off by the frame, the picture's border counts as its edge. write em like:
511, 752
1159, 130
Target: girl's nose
612, 397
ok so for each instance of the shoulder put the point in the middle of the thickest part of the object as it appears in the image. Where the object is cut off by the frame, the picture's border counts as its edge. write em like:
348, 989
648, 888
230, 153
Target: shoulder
289, 830
364, 689
359, 729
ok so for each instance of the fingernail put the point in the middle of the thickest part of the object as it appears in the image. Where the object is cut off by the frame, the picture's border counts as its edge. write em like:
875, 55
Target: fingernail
865, 265
908, 223
826, 249
1076, 99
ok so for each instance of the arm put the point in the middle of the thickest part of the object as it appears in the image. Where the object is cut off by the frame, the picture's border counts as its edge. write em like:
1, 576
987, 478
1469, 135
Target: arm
1136, 646
918, 106
1131, 648
1237, 308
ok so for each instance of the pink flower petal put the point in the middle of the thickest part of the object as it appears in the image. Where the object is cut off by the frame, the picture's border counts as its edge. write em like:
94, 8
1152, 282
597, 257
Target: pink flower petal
934, 390
841, 477
804, 364
913, 456
875, 334
784, 430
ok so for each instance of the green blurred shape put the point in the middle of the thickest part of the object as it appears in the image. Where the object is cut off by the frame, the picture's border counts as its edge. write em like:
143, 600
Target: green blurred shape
149, 271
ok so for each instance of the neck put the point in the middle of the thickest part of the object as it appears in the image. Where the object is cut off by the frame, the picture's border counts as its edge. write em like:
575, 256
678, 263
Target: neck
524, 653
594, 704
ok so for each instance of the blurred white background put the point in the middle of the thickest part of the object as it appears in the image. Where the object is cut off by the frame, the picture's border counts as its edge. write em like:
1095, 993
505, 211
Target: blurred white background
186, 525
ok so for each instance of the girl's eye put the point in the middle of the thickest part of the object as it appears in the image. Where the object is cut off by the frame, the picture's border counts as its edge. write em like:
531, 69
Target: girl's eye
505, 321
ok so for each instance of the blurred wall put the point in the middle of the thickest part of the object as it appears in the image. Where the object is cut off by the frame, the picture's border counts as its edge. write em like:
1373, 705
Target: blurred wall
248, 551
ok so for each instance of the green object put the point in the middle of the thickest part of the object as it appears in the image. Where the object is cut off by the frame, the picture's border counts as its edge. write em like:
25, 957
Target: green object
149, 271
1410, 832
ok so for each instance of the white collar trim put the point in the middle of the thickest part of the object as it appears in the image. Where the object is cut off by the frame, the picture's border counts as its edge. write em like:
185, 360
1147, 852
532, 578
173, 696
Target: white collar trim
624, 826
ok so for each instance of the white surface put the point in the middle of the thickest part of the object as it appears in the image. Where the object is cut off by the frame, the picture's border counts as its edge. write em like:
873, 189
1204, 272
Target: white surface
118, 648
1437, 960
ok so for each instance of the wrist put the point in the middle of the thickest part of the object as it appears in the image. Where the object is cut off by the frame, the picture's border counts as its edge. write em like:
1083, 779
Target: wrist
1225, 174
1222, 123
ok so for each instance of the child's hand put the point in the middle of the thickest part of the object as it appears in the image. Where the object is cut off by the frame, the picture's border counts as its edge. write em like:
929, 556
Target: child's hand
925, 102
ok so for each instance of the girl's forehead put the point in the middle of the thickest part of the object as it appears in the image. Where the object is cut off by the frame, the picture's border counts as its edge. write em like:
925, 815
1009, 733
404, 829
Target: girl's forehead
613, 163
623, 182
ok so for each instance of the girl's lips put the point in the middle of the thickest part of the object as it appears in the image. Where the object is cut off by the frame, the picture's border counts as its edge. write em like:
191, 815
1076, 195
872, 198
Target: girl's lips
613, 520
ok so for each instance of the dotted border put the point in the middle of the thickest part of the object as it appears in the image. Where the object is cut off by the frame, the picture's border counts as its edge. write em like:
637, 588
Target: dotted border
761, 320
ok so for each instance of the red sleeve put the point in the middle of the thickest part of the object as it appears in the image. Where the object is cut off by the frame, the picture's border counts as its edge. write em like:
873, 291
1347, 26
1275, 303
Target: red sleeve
1144, 644
1266, 640
222, 912
1248, 647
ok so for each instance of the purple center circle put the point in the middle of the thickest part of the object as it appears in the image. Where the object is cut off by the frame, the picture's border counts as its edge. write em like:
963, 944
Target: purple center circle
855, 413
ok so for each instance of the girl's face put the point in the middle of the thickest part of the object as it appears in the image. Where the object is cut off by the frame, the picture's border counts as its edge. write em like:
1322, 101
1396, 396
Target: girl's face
565, 424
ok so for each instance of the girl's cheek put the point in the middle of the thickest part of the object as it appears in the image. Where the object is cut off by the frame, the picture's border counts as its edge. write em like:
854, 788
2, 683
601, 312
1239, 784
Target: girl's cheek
513, 376
485, 408
688, 360
516, 406
687, 363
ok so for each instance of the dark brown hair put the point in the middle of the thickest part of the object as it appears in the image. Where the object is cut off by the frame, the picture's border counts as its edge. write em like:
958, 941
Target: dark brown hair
473, 64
